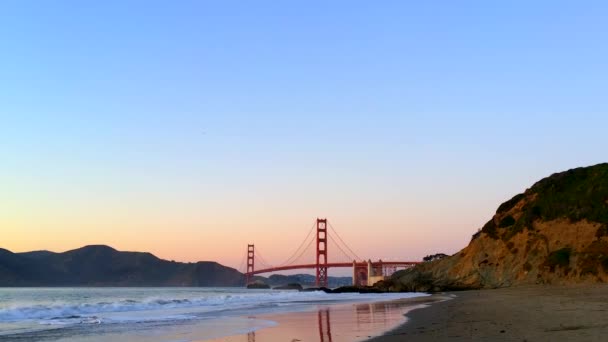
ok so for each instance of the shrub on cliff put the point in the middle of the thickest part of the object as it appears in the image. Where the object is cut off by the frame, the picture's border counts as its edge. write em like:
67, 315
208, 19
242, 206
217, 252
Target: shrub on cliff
577, 194
434, 257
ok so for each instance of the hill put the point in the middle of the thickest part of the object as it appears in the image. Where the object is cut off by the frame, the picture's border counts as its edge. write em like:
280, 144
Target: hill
554, 232
99, 265
306, 280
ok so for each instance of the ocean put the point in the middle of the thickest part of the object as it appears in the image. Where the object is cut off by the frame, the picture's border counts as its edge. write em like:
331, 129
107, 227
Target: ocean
153, 314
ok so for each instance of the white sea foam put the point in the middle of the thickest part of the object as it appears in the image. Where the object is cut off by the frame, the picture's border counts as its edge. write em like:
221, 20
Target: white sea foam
159, 308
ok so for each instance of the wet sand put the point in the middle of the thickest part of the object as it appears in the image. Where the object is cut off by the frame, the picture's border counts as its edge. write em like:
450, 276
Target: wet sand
531, 313
333, 323
534, 313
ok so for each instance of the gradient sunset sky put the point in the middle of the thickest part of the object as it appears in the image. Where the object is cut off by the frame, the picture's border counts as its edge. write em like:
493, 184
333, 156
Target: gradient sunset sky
191, 128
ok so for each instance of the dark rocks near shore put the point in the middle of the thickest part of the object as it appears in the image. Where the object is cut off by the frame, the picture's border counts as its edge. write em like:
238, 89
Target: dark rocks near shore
306, 280
292, 286
357, 289
347, 289
258, 285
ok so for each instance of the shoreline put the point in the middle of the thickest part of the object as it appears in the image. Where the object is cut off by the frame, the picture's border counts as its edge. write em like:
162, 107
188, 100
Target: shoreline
418, 314
524, 313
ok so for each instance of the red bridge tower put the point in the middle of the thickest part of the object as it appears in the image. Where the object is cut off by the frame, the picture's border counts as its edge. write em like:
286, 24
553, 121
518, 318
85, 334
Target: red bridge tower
321, 279
250, 259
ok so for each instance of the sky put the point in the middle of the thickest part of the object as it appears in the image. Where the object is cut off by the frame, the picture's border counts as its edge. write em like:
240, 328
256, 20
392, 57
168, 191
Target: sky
192, 128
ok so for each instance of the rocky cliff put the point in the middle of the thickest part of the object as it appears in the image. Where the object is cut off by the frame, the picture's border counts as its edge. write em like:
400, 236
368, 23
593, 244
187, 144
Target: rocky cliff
554, 232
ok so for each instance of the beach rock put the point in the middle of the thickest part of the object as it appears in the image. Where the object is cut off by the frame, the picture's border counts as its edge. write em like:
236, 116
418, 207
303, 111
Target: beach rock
258, 285
312, 289
305, 280
293, 286
347, 289
555, 232
357, 289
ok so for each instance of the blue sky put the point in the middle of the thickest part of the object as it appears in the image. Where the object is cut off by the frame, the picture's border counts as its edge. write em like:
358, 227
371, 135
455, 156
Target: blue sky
148, 117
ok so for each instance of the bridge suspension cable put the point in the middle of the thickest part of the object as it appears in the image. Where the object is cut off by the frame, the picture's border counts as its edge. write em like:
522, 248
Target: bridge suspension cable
305, 246
348, 257
303, 251
344, 243
261, 258
291, 258
324, 236
241, 266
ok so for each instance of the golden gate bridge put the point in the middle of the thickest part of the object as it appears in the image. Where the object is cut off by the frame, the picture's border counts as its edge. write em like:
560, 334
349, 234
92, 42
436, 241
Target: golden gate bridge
364, 272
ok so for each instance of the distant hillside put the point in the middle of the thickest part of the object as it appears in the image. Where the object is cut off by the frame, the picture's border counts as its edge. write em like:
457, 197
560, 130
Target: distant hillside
554, 232
306, 280
100, 265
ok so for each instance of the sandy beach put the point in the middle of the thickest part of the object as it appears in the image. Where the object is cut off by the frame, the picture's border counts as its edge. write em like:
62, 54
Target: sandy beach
530, 313
534, 313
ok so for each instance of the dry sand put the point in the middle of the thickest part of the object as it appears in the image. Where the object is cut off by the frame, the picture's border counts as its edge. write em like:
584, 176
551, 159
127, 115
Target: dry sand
533, 313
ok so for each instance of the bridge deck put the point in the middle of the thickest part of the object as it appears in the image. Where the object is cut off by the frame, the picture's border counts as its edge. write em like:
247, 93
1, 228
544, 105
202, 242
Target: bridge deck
336, 264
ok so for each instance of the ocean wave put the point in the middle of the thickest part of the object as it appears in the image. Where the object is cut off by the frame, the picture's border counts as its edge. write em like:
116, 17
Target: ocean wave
57, 311
96, 312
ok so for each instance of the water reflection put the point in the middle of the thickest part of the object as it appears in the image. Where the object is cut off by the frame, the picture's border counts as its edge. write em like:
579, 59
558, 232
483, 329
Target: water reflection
324, 325
378, 314
336, 323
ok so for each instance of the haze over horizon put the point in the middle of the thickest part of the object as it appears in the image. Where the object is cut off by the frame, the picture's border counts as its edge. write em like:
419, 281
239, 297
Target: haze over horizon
190, 130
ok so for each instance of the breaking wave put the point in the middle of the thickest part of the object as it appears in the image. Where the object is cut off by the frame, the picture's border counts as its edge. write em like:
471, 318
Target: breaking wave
89, 313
